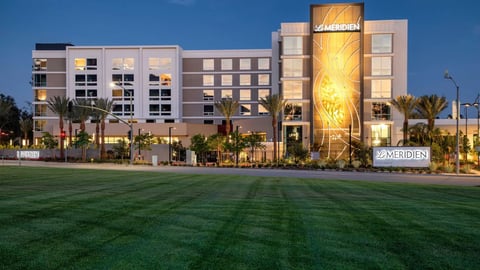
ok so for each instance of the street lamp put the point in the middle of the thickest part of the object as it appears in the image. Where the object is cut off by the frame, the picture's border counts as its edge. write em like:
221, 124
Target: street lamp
125, 91
236, 146
170, 145
139, 143
466, 105
477, 104
457, 160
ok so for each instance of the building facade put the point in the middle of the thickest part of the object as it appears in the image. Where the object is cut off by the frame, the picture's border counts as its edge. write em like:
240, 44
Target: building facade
337, 74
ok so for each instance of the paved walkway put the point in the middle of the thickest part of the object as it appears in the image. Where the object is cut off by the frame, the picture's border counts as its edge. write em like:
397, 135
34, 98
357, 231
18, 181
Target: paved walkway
440, 179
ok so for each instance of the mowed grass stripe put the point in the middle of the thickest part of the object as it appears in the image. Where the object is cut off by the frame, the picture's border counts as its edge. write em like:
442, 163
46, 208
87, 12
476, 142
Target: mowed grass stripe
91, 219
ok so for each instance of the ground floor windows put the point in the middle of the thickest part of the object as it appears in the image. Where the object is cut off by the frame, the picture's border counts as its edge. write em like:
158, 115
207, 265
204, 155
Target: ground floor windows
380, 135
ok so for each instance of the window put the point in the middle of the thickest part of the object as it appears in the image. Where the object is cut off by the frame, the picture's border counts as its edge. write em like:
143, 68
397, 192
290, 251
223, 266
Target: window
166, 109
128, 78
245, 64
292, 112
292, 89
380, 135
264, 63
39, 125
166, 94
382, 43
40, 95
91, 63
117, 94
227, 93
154, 94
41, 109
245, 79
207, 109
292, 67
380, 111
166, 79
154, 78
40, 80
381, 66
155, 63
80, 93
208, 80
262, 110
263, 93
245, 94
245, 109
208, 122
91, 79
381, 88
227, 80
227, 64
40, 64
208, 64
123, 63
208, 94
263, 79
292, 45
80, 63
154, 109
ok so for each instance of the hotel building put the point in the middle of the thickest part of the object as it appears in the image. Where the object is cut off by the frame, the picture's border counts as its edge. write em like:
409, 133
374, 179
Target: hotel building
337, 74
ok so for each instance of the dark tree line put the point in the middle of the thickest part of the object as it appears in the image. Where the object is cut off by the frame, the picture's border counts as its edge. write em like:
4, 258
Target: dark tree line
15, 123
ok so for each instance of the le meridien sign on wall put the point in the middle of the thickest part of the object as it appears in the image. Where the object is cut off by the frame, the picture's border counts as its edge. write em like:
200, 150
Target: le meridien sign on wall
401, 157
336, 27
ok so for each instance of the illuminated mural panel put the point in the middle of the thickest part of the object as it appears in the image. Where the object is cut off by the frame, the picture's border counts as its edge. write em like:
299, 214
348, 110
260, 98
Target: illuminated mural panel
337, 74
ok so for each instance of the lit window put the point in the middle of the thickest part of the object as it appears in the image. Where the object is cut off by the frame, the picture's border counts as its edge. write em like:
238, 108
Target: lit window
227, 80
292, 112
263, 63
263, 93
166, 79
245, 109
80, 63
40, 64
380, 135
292, 90
245, 94
117, 94
40, 95
128, 63
208, 64
292, 67
227, 93
381, 88
245, 79
123, 63
208, 94
382, 43
245, 64
380, 111
208, 80
226, 64
263, 79
262, 110
159, 63
292, 45
381, 66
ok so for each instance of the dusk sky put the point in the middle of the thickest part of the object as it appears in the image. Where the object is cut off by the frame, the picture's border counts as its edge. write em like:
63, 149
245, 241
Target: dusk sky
442, 34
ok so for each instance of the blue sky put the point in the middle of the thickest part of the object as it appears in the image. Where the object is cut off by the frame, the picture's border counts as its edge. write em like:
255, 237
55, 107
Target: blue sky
442, 34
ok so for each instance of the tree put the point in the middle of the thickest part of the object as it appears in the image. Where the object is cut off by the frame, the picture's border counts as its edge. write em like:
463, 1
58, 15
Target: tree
83, 140
429, 107
254, 142
274, 104
121, 149
216, 142
236, 144
82, 111
297, 152
406, 106
199, 144
106, 105
26, 126
9, 118
48, 140
59, 106
227, 107
144, 141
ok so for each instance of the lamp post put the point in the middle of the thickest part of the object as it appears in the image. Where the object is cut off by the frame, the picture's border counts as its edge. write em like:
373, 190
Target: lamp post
139, 143
466, 105
125, 91
457, 160
170, 145
236, 146
477, 104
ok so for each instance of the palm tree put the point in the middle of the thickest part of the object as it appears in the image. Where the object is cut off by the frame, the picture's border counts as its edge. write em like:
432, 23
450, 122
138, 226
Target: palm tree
274, 104
227, 107
82, 113
405, 105
59, 106
26, 125
106, 106
429, 107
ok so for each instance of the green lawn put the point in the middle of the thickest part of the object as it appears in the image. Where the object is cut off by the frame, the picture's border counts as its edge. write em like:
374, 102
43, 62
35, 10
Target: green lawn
95, 219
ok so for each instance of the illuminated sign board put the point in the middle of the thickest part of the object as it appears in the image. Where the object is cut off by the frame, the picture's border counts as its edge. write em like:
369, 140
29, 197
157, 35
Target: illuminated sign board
337, 76
401, 157
28, 154
337, 27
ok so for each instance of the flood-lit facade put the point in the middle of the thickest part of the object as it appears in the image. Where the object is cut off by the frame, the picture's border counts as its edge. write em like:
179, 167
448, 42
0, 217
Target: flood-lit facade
338, 73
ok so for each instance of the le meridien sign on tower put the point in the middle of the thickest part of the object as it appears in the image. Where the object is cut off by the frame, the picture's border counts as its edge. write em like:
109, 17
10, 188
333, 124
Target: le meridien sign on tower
401, 157
336, 27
